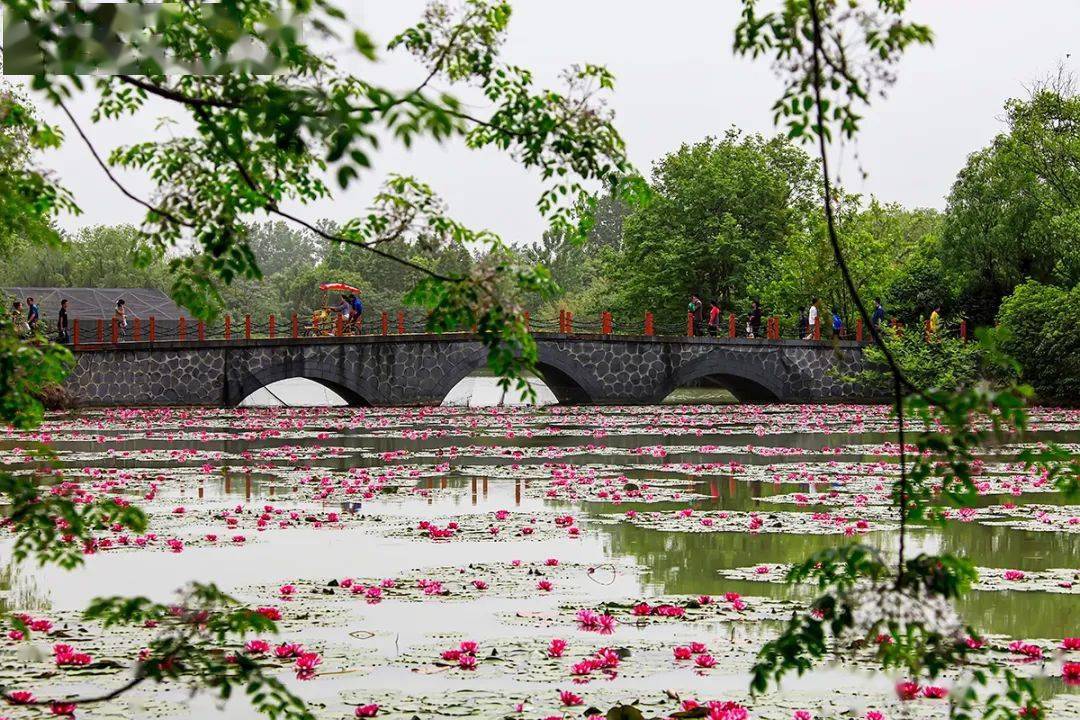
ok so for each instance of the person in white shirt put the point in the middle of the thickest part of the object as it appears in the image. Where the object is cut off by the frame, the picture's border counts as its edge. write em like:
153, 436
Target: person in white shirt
811, 319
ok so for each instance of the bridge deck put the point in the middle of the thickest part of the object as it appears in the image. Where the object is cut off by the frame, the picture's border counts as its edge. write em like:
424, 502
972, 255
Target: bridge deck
286, 340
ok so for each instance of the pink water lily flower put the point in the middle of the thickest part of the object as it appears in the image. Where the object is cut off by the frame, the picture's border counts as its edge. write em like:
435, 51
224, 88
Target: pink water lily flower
934, 691
705, 661
544, 585
257, 647
569, 699
366, 711
556, 648
306, 664
907, 690
1070, 673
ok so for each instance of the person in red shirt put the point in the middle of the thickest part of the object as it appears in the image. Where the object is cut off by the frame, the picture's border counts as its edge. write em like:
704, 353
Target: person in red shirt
714, 318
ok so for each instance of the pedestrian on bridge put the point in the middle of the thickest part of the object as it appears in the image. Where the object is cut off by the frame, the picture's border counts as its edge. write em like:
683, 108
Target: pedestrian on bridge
696, 308
837, 324
714, 318
33, 314
753, 324
121, 317
62, 335
811, 319
879, 314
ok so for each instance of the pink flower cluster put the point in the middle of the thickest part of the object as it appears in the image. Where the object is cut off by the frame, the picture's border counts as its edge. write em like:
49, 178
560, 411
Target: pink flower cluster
1028, 650
718, 709
643, 609
605, 659
65, 656
434, 532
696, 650
595, 622
464, 655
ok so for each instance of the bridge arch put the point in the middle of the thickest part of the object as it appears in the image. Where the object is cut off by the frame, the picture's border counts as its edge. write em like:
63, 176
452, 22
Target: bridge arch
329, 376
566, 379
743, 376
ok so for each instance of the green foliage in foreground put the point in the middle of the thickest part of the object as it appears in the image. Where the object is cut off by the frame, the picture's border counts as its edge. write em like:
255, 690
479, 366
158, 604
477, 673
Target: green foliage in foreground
936, 362
902, 615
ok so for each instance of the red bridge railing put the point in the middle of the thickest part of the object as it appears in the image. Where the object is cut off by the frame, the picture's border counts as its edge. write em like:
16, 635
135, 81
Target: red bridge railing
153, 330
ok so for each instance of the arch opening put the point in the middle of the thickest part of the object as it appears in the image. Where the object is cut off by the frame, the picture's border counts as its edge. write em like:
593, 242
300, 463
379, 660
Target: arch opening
720, 389
300, 391
480, 388
566, 389
553, 383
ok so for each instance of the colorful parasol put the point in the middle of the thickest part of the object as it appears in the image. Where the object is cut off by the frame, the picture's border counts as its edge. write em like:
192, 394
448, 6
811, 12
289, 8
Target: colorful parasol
339, 287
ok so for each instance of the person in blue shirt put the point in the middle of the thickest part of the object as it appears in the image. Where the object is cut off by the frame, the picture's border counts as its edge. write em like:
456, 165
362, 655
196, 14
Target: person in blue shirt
837, 323
33, 314
357, 312
879, 313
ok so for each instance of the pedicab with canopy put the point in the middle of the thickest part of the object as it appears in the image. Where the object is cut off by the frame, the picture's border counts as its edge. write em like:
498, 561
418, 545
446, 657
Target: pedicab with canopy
324, 320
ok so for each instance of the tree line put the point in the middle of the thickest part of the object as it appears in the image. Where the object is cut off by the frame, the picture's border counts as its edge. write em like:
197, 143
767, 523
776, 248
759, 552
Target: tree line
731, 218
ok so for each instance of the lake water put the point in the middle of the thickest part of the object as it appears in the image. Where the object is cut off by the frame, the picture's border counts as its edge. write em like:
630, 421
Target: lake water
543, 512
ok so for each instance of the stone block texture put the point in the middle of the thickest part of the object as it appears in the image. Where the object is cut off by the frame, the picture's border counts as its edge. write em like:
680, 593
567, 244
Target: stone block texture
421, 370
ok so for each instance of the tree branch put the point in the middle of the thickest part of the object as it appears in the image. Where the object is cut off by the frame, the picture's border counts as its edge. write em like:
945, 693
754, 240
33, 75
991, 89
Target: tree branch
272, 207
112, 178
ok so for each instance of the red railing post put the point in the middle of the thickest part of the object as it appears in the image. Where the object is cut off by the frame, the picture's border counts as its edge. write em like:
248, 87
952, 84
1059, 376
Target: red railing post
528, 324
273, 327
400, 322
731, 325
228, 328
569, 322
562, 320
200, 328
339, 326
648, 323
247, 327
605, 323
858, 330
182, 328
963, 330
75, 332
295, 325
100, 330
689, 324
153, 329
385, 323
136, 329
115, 331
817, 328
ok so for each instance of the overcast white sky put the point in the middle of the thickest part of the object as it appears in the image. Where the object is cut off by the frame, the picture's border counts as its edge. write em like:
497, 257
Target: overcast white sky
677, 81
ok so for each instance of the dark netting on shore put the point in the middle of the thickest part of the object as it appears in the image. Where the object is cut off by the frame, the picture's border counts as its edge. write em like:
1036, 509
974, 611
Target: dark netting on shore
95, 303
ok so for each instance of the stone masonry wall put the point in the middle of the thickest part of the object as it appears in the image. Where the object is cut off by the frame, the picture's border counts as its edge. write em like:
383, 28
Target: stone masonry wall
421, 370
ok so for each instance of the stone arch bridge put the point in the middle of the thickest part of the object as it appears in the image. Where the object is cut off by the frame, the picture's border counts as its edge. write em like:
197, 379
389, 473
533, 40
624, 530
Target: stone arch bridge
405, 370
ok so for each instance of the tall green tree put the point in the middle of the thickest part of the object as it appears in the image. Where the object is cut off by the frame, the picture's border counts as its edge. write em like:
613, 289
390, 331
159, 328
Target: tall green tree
1014, 212
720, 213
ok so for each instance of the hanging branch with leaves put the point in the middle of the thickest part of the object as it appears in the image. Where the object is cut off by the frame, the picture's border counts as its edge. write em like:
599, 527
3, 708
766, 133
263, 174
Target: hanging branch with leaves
834, 58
